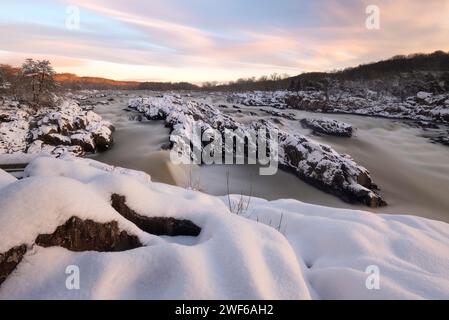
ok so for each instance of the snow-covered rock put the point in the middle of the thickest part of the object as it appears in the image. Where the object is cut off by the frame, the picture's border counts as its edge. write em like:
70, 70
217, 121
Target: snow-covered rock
50, 130
423, 95
328, 126
259, 98
282, 249
423, 106
317, 164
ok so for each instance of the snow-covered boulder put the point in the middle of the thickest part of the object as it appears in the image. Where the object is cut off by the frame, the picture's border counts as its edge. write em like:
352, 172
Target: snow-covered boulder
423, 96
328, 126
50, 130
328, 170
282, 249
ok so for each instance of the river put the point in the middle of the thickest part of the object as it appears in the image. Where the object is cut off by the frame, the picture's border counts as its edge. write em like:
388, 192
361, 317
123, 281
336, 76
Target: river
412, 173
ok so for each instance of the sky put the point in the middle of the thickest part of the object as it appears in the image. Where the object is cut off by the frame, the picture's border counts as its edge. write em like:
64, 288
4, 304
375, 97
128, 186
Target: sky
222, 40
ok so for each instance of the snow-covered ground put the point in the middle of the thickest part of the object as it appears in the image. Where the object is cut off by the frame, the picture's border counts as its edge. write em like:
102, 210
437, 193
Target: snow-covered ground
267, 250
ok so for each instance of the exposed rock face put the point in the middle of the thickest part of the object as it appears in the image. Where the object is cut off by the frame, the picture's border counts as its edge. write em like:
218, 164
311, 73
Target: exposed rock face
9, 260
88, 235
55, 139
155, 225
328, 127
316, 164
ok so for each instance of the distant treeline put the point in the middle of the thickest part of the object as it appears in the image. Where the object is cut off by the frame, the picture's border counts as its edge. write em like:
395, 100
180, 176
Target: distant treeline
400, 75
424, 71
74, 82
167, 86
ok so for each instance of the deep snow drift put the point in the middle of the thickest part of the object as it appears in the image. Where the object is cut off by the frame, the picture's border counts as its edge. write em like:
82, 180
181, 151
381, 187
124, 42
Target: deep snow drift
279, 249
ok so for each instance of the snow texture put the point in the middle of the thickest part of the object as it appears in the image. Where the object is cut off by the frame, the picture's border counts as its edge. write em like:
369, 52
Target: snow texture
68, 128
282, 249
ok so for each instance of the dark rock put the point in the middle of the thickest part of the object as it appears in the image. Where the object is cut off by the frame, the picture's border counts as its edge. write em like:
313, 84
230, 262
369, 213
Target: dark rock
88, 235
423, 125
167, 145
137, 117
277, 121
5, 118
87, 145
280, 114
155, 225
102, 142
9, 261
55, 139
444, 139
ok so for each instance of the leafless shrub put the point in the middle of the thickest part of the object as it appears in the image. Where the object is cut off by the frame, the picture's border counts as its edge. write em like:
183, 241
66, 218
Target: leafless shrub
192, 182
242, 204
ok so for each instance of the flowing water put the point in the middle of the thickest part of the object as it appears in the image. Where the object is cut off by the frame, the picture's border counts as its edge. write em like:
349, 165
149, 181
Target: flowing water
412, 173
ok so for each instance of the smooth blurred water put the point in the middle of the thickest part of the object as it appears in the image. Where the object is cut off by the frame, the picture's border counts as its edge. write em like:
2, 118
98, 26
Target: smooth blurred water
413, 173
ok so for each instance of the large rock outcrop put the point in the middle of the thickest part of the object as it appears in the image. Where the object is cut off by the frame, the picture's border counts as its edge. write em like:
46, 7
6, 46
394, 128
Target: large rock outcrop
315, 163
68, 128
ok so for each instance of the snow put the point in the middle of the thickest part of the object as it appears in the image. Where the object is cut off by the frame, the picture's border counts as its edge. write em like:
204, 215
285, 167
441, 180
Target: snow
423, 95
411, 253
282, 249
6, 179
49, 130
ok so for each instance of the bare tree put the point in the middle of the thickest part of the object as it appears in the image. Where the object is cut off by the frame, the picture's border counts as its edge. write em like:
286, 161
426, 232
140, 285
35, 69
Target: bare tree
38, 80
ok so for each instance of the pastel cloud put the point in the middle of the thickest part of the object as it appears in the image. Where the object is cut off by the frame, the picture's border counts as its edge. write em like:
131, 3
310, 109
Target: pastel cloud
201, 40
